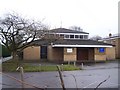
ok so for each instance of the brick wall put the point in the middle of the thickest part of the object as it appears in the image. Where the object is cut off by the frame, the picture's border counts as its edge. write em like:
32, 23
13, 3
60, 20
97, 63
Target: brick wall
98, 56
55, 54
117, 48
31, 53
115, 42
110, 53
70, 56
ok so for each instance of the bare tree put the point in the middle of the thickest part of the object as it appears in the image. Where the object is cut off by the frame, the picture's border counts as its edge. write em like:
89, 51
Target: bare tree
77, 28
17, 33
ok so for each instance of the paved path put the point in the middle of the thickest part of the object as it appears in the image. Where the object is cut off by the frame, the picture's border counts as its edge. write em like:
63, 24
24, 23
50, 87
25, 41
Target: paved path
107, 65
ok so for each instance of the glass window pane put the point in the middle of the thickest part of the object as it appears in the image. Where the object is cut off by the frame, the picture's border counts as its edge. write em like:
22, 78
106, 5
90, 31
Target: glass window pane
85, 37
66, 36
61, 35
71, 36
76, 36
81, 36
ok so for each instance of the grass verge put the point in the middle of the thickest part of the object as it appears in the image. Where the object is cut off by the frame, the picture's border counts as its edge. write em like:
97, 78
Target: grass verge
11, 66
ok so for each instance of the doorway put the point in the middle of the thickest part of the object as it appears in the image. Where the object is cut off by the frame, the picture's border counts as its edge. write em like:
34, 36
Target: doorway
82, 54
43, 52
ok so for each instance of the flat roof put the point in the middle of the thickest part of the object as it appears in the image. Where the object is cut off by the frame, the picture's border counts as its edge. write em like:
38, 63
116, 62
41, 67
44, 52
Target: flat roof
71, 43
81, 46
79, 43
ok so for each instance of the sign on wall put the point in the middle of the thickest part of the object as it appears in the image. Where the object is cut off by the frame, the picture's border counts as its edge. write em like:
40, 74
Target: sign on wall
101, 50
69, 50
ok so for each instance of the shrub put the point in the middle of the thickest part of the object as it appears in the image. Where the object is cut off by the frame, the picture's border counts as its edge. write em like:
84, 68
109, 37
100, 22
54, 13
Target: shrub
5, 52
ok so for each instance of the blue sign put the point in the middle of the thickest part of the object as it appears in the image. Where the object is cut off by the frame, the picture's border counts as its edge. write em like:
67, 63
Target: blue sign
101, 50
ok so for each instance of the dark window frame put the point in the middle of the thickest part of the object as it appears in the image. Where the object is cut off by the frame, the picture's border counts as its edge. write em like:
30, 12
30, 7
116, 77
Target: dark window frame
81, 37
67, 36
72, 36
77, 36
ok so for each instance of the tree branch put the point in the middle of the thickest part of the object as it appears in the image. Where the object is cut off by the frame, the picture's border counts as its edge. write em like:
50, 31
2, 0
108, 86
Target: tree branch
18, 33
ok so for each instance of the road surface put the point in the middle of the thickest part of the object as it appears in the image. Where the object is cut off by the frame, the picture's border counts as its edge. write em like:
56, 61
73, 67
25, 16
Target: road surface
90, 77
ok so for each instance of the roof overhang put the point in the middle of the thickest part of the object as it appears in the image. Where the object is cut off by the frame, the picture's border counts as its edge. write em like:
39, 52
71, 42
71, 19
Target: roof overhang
81, 45
72, 33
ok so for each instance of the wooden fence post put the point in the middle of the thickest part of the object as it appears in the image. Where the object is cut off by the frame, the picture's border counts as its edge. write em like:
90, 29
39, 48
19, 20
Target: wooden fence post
22, 77
82, 65
61, 67
74, 63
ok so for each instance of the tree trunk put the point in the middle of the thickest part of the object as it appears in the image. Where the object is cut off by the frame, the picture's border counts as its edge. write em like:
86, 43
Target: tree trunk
16, 59
14, 54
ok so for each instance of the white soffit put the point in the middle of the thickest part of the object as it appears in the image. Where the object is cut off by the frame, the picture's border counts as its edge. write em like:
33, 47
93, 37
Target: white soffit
82, 45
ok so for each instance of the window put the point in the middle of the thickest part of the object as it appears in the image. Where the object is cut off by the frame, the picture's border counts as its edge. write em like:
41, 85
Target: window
76, 36
85, 36
71, 36
66, 36
81, 36
61, 35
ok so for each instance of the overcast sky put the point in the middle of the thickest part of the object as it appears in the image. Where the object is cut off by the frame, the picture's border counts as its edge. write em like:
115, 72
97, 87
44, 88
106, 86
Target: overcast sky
97, 17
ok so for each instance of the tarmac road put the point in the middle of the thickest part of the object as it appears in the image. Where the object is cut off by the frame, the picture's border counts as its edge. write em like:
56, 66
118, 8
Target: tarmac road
90, 77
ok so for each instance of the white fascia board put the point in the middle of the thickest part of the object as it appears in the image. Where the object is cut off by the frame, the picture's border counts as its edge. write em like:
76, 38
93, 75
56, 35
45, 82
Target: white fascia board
71, 33
82, 46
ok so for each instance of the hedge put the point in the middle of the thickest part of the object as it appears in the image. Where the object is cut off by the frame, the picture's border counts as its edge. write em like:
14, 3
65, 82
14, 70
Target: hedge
4, 52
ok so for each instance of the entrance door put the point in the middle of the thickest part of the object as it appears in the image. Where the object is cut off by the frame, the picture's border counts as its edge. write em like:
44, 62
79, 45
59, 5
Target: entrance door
43, 52
82, 54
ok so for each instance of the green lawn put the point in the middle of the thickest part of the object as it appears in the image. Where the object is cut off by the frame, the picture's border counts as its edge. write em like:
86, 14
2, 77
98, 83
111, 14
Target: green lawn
10, 66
